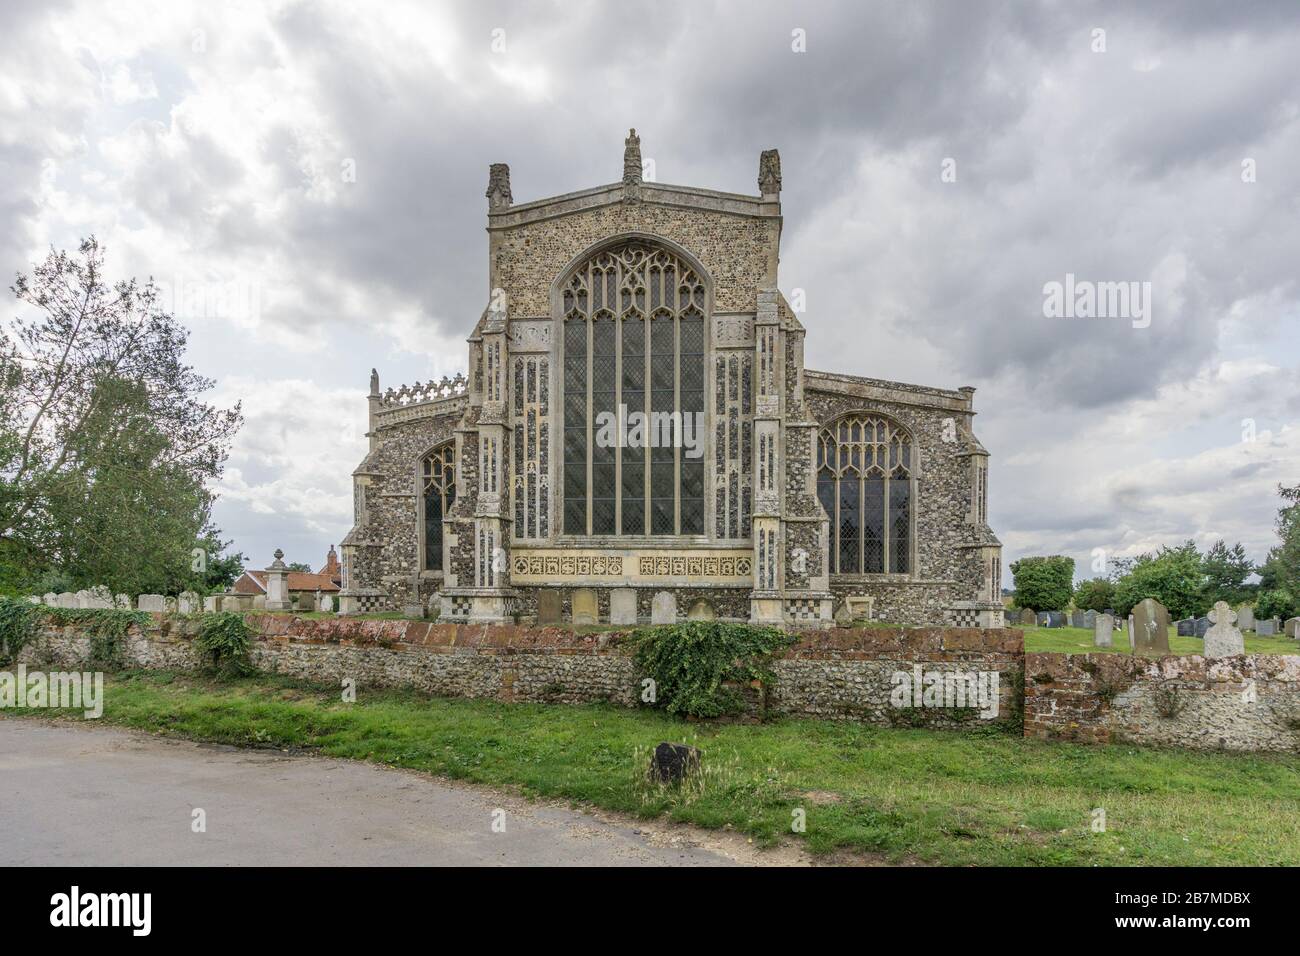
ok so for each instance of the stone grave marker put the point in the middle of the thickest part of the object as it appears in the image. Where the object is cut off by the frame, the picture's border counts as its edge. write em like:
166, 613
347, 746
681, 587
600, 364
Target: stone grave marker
1089, 619
188, 603
663, 609
1246, 617
622, 606
1077, 619
701, 610
259, 602
151, 602
1150, 627
212, 603
1223, 640
325, 603
1186, 627
550, 607
1293, 627
68, 599
1103, 631
1202, 626
585, 609
673, 762
1266, 628
50, 599
1028, 618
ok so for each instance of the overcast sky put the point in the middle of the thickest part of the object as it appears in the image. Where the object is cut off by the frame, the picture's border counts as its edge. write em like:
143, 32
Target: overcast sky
210, 144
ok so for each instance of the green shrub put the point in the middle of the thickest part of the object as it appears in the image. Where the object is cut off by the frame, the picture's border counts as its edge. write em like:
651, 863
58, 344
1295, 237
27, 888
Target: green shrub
1044, 583
1095, 595
695, 664
18, 623
223, 643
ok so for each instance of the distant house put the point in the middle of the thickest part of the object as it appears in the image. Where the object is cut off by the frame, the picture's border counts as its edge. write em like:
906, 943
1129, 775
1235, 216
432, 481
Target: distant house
301, 583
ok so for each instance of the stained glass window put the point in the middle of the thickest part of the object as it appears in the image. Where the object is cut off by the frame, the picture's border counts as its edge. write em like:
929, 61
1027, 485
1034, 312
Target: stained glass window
439, 485
634, 337
864, 481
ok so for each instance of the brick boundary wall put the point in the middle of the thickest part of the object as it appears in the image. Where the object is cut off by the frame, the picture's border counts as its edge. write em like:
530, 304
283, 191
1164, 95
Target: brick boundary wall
837, 674
1192, 701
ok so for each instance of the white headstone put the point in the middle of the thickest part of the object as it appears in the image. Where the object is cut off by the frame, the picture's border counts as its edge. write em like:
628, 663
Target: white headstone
68, 599
622, 606
1293, 627
1103, 631
259, 602
50, 599
187, 603
1246, 617
151, 602
84, 599
663, 609
1222, 639
122, 601
212, 603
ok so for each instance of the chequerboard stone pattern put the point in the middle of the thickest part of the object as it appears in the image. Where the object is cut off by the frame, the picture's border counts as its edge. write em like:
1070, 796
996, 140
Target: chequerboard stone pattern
1223, 639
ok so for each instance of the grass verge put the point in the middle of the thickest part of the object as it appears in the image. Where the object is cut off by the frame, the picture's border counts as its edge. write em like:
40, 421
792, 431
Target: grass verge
1078, 640
909, 795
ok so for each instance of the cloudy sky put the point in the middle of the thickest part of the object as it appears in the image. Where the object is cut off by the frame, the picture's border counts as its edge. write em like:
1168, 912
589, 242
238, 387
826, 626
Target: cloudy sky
211, 145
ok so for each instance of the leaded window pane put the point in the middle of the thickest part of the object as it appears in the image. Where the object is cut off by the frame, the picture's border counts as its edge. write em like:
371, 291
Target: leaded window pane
870, 516
439, 480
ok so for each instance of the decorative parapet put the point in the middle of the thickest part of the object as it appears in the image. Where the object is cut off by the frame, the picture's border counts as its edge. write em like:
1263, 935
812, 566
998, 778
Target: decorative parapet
420, 393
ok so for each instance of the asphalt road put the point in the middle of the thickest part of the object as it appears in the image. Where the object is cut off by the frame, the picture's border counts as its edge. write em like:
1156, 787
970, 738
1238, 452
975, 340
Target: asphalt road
93, 795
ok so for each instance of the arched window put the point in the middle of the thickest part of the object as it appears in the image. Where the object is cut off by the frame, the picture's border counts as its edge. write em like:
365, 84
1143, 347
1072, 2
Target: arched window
634, 394
438, 472
864, 481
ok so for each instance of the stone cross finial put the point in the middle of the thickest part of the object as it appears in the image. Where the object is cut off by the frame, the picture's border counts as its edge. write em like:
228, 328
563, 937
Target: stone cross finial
769, 172
632, 157
498, 191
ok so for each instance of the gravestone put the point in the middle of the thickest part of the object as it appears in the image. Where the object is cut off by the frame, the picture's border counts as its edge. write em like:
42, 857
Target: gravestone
187, 603
68, 599
1103, 631
33, 599
1028, 618
1223, 640
1077, 619
151, 602
673, 762
585, 609
50, 599
1186, 627
1051, 619
259, 602
1202, 626
701, 610
1089, 619
622, 606
550, 607
843, 616
122, 601
212, 603
84, 599
325, 603
1293, 627
663, 609
1150, 627
1266, 628
1246, 617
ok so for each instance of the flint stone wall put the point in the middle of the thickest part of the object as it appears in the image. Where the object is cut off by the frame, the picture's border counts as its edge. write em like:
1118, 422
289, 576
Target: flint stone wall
1190, 701
839, 674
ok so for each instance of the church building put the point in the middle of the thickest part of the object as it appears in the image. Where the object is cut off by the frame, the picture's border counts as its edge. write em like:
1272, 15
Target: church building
637, 440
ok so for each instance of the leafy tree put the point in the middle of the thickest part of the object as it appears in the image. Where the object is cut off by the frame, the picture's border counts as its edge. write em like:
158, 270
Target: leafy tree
219, 568
1094, 595
1044, 583
1276, 603
106, 448
1173, 576
1226, 570
299, 566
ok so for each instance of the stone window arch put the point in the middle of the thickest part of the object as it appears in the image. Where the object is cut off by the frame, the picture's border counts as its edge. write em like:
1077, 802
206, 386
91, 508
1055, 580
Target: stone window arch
634, 316
438, 494
866, 481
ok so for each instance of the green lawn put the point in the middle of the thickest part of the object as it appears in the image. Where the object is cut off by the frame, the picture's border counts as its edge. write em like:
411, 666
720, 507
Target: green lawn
908, 795
1078, 640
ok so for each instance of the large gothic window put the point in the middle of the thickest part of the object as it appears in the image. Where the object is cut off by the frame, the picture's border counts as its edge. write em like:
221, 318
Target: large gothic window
864, 481
438, 481
634, 360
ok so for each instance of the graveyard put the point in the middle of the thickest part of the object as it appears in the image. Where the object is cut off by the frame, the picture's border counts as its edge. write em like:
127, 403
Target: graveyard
1079, 640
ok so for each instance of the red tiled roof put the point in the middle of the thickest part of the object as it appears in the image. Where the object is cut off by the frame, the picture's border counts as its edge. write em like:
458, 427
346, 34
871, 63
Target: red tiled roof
254, 582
